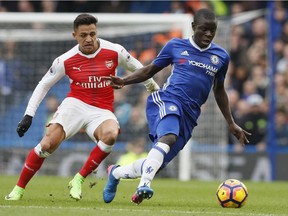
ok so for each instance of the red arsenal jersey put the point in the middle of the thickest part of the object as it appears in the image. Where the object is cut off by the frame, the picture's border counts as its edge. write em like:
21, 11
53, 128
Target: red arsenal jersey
85, 73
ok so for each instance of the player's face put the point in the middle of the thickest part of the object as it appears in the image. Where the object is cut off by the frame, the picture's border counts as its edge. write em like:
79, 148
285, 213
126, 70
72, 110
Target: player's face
86, 36
204, 32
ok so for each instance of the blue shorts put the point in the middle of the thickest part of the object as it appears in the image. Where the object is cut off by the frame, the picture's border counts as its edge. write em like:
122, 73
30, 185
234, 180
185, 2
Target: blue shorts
160, 105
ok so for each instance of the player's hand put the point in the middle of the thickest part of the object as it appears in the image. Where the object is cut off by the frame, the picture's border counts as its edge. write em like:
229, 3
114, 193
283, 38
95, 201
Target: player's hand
239, 133
114, 81
24, 125
151, 86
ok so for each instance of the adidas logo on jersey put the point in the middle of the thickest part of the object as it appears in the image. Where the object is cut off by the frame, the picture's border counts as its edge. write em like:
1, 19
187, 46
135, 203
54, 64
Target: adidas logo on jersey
185, 53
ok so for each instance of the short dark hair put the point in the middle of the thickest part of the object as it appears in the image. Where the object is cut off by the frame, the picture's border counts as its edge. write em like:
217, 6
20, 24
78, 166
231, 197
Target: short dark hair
204, 13
84, 19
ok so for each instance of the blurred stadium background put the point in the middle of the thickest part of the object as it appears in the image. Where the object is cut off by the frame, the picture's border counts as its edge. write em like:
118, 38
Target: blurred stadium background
33, 33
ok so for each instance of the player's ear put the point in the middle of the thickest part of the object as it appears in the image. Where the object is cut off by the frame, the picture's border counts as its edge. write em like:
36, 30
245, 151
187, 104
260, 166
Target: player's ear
73, 34
193, 26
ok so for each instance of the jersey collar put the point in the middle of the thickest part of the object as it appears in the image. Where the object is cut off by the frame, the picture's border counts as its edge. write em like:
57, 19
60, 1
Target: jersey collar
196, 46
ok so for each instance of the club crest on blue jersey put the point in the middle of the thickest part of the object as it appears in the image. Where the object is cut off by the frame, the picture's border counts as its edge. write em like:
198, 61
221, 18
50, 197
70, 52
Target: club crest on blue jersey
214, 59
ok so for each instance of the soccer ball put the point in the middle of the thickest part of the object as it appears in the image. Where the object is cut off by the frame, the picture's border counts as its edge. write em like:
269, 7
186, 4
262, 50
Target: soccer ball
232, 193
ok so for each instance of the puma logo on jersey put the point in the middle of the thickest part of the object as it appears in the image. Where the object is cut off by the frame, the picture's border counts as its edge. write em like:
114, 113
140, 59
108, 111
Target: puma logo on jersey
77, 68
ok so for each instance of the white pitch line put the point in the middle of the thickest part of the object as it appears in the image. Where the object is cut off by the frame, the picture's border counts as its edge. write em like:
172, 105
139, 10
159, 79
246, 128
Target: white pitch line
146, 210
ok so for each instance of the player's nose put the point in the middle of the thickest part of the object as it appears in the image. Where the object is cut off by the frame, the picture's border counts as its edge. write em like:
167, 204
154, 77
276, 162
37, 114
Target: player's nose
89, 39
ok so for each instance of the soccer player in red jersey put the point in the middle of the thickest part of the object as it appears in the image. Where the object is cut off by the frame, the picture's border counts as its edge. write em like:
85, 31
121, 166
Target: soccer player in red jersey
88, 105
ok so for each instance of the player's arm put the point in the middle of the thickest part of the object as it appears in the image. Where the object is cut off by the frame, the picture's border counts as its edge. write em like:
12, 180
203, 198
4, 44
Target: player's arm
163, 59
138, 76
222, 100
132, 64
54, 74
141, 74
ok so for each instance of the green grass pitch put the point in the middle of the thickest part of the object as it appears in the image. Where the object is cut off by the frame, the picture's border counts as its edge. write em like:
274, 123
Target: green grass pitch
48, 196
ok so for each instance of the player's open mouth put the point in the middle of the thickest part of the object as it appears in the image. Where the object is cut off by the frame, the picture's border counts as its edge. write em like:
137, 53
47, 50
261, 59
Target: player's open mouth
89, 46
206, 41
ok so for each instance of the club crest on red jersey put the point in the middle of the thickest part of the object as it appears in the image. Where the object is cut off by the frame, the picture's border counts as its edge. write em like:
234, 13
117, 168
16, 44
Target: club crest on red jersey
109, 64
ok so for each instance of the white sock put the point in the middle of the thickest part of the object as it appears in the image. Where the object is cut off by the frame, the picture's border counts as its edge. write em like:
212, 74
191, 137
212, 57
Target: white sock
104, 147
153, 162
130, 171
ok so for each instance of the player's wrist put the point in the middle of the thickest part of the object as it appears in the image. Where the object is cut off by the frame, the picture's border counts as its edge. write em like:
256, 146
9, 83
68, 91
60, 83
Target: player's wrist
29, 113
28, 116
147, 82
124, 82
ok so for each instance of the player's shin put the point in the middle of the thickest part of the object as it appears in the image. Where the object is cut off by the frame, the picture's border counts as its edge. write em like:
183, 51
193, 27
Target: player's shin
32, 164
153, 163
130, 171
97, 155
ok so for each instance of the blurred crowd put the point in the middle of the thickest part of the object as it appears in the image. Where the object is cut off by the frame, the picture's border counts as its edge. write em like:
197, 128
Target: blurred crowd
248, 77
222, 8
249, 80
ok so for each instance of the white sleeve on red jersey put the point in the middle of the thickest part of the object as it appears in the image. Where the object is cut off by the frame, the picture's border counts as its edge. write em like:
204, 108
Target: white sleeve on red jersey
127, 61
53, 75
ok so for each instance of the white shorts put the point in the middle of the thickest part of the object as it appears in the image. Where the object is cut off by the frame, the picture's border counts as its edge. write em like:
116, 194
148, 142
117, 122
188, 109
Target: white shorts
73, 115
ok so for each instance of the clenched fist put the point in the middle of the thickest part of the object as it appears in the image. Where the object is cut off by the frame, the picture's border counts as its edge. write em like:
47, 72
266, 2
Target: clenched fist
24, 125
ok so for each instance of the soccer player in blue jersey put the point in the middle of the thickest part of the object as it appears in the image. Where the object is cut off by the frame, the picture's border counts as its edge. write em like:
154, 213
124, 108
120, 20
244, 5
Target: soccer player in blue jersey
198, 65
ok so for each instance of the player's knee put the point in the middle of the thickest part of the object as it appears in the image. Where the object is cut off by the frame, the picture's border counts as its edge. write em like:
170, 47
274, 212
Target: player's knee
48, 144
109, 137
52, 139
40, 152
169, 139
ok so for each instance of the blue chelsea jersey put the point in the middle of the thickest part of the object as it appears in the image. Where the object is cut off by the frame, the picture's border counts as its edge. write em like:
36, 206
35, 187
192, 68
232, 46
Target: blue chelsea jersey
193, 69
